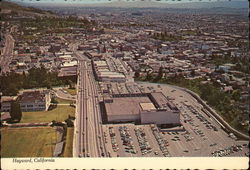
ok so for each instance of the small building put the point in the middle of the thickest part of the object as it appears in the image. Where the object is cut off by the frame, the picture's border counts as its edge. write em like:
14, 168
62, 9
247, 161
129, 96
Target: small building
34, 101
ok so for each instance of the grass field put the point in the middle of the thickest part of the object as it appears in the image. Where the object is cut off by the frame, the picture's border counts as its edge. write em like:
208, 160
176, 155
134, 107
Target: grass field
63, 101
28, 142
69, 143
60, 113
71, 91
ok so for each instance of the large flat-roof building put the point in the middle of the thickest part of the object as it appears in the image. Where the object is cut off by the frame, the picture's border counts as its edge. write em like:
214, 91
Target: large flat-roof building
68, 68
103, 72
125, 108
141, 108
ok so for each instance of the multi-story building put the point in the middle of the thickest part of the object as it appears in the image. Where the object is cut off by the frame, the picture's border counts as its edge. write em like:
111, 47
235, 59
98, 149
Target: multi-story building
6, 103
34, 101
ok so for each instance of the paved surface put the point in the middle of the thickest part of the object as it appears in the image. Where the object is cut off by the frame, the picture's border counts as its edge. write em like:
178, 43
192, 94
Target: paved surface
204, 139
7, 54
59, 92
199, 135
89, 141
121, 152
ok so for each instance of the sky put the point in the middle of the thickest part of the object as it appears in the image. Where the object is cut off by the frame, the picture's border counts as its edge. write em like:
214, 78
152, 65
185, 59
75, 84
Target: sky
107, 1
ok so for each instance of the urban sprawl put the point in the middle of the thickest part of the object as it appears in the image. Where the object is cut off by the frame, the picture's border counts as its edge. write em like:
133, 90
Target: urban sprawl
124, 83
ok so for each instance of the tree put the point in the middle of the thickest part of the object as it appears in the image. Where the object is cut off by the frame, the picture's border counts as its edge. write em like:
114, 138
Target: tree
69, 122
148, 76
137, 74
236, 95
192, 73
15, 111
70, 83
160, 74
53, 100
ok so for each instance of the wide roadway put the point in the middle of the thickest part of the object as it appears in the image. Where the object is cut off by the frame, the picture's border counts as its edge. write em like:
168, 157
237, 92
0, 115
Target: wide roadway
7, 54
88, 120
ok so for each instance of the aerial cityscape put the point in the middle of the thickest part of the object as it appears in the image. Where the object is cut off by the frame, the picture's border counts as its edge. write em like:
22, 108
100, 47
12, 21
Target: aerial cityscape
103, 80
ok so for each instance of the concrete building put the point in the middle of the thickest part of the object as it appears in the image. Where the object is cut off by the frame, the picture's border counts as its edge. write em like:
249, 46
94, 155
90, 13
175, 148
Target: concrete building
68, 68
6, 103
34, 101
125, 109
141, 108
103, 73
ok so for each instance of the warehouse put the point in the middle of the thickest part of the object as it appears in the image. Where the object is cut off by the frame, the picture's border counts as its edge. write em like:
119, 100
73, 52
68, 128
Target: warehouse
125, 109
141, 108
103, 73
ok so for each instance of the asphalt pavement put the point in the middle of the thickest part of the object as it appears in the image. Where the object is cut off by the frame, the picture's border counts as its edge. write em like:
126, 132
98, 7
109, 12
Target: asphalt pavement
89, 140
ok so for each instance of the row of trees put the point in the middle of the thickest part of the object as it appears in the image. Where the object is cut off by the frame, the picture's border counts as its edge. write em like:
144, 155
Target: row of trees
12, 82
164, 36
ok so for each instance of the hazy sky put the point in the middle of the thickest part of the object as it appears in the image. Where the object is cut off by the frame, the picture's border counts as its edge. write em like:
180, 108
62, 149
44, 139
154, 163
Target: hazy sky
102, 1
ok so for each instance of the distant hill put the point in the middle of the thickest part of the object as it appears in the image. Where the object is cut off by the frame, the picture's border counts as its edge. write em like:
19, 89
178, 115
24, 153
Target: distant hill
153, 4
6, 5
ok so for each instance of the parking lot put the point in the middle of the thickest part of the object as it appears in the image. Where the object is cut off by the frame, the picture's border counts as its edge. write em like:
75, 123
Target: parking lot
199, 135
129, 140
203, 136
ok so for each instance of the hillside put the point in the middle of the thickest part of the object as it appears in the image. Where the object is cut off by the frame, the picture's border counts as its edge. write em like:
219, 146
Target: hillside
148, 4
6, 6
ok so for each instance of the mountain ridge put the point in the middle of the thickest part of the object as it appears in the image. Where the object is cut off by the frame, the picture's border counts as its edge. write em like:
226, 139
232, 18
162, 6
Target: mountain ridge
150, 4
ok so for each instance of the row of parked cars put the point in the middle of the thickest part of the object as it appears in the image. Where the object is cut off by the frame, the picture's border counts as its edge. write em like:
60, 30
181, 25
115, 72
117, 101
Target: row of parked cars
113, 140
202, 119
162, 142
199, 132
187, 118
127, 140
143, 142
187, 136
227, 151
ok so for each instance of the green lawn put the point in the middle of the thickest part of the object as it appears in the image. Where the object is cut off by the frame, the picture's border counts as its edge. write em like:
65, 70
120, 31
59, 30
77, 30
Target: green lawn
63, 101
60, 113
28, 142
69, 143
71, 91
